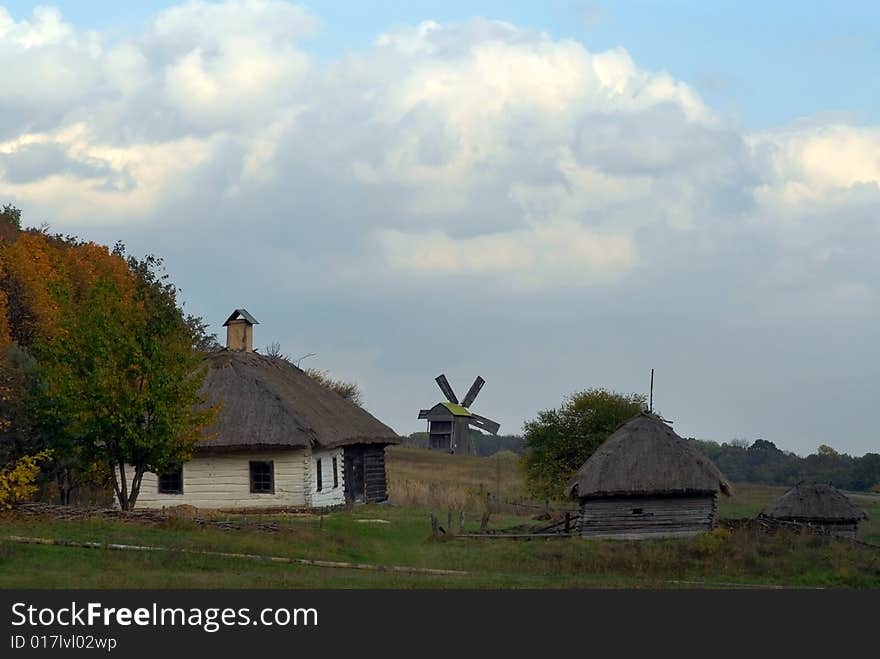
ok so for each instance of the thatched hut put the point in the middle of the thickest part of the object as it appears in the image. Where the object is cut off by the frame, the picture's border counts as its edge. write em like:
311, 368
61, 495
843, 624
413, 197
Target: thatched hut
280, 439
645, 481
819, 507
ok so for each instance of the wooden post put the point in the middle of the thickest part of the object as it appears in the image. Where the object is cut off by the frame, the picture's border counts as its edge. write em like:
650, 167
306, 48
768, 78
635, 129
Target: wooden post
435, 525
484, 522
449, 519
461, 521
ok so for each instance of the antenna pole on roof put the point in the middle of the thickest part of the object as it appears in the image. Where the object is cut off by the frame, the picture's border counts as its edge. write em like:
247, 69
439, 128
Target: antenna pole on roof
651, 398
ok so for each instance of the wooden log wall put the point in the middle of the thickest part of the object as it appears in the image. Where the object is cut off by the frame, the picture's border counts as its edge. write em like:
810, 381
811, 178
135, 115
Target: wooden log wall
375, 482
647, 517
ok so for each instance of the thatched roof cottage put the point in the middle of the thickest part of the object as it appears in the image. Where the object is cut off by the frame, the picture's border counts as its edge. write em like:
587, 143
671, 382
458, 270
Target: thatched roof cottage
820, 507
280, 439
645, 481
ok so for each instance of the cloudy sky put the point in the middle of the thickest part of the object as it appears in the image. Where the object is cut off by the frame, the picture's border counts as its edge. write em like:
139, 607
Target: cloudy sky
551, 195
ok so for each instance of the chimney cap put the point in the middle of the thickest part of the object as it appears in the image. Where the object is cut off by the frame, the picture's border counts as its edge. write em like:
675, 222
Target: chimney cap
241, 314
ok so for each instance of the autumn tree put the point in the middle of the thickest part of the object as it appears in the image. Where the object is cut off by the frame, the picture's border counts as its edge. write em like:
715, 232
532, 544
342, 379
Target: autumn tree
44, 279
18, 372
121, 379
560, 440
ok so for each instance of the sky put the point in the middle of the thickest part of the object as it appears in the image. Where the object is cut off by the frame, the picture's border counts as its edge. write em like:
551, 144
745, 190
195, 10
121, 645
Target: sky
554, 195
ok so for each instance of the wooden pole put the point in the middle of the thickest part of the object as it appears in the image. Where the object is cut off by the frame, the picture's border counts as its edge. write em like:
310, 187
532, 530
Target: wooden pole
651, 399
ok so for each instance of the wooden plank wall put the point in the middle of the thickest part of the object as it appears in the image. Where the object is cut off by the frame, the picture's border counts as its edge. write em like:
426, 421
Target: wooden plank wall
647, 517
223, 481
375, 482
847, 529
329, 495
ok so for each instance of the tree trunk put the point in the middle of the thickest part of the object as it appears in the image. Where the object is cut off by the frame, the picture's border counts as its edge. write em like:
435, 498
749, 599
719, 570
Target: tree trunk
135, 486
121, 486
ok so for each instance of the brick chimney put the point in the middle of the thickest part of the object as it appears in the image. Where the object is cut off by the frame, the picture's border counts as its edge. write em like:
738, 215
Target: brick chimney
240, 331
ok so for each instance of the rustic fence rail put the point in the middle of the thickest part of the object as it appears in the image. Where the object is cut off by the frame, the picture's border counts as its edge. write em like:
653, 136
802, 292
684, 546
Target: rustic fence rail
71, 513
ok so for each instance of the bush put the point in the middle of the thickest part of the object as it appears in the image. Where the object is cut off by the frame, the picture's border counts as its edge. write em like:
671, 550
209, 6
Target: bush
560, 440
19, 482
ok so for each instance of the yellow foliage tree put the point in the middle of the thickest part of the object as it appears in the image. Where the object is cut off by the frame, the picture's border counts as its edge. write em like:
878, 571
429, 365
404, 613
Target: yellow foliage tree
19, 482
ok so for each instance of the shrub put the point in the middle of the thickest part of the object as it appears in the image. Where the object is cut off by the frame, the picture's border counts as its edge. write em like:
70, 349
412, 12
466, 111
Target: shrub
19, 482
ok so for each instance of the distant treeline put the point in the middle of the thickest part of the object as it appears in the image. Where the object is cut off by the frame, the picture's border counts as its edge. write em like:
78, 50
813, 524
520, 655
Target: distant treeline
486, 444
759, 462
763, 462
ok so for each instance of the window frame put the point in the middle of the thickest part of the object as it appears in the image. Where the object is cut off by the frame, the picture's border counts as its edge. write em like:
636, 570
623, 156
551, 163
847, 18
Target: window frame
335, 472
319, 476
164, 490
252, 480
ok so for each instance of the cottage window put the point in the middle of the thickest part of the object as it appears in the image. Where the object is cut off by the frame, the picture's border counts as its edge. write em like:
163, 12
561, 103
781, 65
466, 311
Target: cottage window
319, 482
171, 482
335, 474
263, 477
637, 511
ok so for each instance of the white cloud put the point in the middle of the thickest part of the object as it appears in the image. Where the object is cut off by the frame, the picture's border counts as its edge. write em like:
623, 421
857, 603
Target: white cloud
45, 28
632, 221
564, 254
480, 147
806, 165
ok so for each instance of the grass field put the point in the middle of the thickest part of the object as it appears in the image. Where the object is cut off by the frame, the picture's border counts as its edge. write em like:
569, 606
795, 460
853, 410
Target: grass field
421, 482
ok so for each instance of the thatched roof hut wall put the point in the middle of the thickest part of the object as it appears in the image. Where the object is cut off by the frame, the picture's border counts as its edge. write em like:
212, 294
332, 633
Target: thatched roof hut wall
645, 481
819, 506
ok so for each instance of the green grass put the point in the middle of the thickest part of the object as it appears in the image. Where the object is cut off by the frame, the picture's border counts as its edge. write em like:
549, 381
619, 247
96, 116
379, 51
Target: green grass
424, 481
719, 558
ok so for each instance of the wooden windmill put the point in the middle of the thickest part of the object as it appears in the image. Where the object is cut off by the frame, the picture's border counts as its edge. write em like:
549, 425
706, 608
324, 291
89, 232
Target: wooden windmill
449, 423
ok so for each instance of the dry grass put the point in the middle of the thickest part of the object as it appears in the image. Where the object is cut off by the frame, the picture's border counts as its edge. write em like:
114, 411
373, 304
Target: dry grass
437, 480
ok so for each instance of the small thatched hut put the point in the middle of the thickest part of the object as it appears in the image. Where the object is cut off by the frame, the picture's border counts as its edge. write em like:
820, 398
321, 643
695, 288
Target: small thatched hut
280, 439
820, 507
645, 481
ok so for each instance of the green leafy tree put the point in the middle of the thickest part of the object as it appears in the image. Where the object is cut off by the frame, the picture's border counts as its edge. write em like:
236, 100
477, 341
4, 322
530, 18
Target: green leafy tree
10, 222
560, 440
121, 380
202, 340
17, 375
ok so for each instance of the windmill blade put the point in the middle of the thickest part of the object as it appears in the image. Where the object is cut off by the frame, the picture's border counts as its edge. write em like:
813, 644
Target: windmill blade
423, 414
483, 423
446, 389
473, 391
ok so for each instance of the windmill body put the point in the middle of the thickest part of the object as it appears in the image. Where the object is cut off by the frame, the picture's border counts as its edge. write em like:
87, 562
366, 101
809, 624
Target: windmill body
449, 422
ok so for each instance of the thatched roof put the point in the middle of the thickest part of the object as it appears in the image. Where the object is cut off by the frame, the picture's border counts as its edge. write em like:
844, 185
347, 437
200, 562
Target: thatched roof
644, 456
266, 401
814, 502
